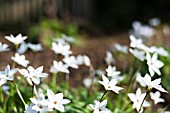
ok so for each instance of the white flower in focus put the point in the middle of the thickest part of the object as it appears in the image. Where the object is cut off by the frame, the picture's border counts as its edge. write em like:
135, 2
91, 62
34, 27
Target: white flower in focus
56, 101
71, 61
109, 58
120, 48
22, 48
28, 109
110, 85
35, 47
20, 59
16, 40
59, 67
40, 104
83, 59
137, 99
100, 107
139, 79
138, 54
153, 84
7, 75
62, 49
156, 97
33, 74
3, 47
154, 64
159, 50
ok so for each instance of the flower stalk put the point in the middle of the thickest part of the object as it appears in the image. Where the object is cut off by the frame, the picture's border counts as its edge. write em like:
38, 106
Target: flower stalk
19, 93
103, 95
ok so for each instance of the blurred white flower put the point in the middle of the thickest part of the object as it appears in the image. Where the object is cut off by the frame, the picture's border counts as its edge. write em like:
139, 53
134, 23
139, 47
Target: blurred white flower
100, 107
40, 104
137, 99
28, 109
156, 97
59, 67
22, 48
5, 88
138, 54
142, 30
111, 71
7, 75
16, 40
110, 85
33, 74
136, 43
99, 72
83, 59
153, 84
35, 47
68, 38
88, 82
62, 49
109, 58
20, 59
3, 47
159, 50
56, 101
139, 79
154, 64
120, 48
71, 61
154, 21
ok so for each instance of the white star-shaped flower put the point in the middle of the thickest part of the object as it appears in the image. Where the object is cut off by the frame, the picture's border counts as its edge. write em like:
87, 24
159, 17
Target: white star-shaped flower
100, 107
20, 59
40, 104
3, 47
156, 97
63, 49
16, 40
28, 109
110, 85
33, 74
137, 99
59, 67
154, 64
71, 61
153, 84
7, 75
56, 101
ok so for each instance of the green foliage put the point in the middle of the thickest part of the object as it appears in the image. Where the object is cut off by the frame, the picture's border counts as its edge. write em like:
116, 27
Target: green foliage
48, 29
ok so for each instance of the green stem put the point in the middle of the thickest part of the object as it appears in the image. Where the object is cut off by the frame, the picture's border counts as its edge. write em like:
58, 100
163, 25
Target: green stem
1, 95
19, 93
54, 79
147, 93
33, 88
103, 95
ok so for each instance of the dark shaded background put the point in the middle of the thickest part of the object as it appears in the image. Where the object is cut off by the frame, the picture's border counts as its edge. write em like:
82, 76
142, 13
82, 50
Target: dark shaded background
105, 16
